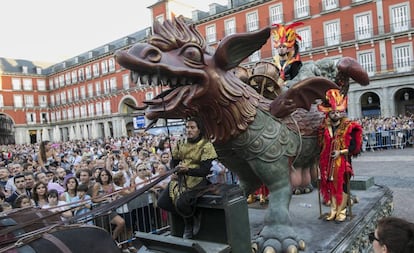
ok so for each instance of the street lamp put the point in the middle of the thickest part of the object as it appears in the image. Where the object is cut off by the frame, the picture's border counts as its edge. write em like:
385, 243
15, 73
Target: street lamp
406, 96
369, 100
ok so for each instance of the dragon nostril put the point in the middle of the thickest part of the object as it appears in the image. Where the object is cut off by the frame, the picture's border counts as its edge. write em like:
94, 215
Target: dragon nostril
153, 55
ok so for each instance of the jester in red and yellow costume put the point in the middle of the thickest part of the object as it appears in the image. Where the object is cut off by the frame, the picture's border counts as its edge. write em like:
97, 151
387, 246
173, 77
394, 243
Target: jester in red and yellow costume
339, 139
285, 40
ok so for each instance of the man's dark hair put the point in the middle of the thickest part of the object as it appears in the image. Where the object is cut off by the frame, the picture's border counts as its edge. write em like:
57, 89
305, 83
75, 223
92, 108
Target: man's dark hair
82, 188
199, 124
17, 177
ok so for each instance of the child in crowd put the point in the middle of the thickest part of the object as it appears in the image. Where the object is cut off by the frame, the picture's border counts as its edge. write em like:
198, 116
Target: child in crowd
83, 204
56, 205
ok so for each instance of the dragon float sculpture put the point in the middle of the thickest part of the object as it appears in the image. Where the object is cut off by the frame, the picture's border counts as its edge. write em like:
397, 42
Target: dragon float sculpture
257, 138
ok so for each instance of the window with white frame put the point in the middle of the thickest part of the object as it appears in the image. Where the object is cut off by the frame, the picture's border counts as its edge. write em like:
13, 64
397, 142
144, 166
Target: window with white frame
51, 87
363, 26
81, 75
332, 33
112, 83
76, 93
106, 86
211, 36
230, 26
70, 113
367, 61
91, 110
83, 92
88, 73
90, 90
111, 63
104, 66
25, 69
252, 21
83, 112
58, 114
125, 81
160, 18
41, 84
38, 70
18, 101
43, 117
98, 107
63, 97
68, 78
57, 98
107, 107
149, 95
76, 112
329, 4
30, 118
95, 68
29, 100
52, 100
16, 83
70, 98
306, 42
98, 88
301, 8
74, 76
1, 101
402, 57
64, 114
52, 117
255, 57
42, 100
56, 81
400, 18
27, 84
276, 14
61, 80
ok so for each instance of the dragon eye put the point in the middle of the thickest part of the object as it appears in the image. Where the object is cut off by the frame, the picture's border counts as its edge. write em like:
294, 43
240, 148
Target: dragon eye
193, 54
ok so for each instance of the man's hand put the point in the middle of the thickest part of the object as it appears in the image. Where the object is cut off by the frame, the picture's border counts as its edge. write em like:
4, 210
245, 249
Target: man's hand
182, 169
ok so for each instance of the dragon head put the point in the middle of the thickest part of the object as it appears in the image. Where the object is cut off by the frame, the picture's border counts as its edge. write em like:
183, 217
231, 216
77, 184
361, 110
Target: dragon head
198, 81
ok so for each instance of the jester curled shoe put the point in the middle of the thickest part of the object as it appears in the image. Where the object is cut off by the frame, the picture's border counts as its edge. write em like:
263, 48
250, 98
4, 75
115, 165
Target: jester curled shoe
340, 139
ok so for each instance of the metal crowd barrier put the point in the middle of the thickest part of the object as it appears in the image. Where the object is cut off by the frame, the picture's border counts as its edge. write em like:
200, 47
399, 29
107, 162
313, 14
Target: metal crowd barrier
387, 139
140, 214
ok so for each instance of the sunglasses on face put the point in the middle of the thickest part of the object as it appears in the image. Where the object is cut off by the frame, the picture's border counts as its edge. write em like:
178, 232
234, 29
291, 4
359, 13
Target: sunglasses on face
372, 238
142, 169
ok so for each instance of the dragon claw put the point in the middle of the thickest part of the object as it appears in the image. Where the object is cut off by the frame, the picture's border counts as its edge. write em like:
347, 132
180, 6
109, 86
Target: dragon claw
273, 245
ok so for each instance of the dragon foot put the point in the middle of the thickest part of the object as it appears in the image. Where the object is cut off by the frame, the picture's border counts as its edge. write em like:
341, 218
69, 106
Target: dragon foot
277, 242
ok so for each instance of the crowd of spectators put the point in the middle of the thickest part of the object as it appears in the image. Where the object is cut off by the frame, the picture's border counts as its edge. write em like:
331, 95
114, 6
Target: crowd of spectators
51, 175
387, 132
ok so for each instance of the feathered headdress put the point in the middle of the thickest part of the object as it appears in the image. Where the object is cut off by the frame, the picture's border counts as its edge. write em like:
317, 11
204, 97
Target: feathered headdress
286, 35
335, 101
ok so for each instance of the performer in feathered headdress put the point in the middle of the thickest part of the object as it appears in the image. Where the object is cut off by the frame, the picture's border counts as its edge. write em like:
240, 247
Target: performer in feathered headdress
285, 39
339, 139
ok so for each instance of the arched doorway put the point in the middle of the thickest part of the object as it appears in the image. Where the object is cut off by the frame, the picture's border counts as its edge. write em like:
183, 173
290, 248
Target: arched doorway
6, 130
404, 102
370, 105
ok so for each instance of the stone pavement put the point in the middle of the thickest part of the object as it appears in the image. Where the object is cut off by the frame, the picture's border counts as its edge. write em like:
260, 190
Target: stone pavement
393, 168
388, 169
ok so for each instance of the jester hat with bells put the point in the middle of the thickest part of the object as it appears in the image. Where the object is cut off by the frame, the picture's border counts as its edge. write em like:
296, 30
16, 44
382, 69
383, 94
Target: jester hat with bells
334, 101
286, 35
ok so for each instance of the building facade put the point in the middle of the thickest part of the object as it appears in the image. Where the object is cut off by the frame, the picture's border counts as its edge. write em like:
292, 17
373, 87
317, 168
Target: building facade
87, 96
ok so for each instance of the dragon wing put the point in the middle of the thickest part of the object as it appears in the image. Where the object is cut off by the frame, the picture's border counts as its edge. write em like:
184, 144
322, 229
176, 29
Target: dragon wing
301, 95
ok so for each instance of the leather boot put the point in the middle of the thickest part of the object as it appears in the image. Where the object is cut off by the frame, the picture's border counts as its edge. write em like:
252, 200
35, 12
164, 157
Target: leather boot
341, 210
188, 228
332, 214
251, 199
